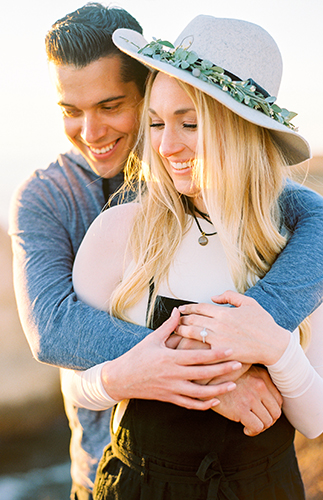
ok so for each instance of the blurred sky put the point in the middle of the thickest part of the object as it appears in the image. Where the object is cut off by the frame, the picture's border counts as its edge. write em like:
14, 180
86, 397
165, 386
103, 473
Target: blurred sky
31, 131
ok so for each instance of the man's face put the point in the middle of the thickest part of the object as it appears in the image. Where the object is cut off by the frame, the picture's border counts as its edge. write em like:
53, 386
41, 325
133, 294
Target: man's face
100, 112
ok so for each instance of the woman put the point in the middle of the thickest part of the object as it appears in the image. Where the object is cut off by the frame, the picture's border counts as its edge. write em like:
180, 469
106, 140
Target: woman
209, 220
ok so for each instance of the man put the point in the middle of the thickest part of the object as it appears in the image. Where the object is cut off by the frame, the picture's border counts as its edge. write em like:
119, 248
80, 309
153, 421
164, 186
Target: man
99, 91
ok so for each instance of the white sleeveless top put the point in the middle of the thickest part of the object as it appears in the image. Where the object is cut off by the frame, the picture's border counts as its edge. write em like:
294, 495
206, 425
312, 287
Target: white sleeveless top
196, 274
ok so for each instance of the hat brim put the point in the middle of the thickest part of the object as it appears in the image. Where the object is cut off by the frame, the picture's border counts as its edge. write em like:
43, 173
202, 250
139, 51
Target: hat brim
295, 148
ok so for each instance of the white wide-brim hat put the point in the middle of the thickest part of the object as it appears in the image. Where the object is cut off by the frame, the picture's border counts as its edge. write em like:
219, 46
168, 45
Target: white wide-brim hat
245, 51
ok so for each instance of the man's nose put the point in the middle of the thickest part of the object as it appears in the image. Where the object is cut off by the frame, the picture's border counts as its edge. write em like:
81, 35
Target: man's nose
92, 129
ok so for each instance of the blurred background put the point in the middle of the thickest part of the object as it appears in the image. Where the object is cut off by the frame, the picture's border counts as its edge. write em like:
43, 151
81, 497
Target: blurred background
34, 434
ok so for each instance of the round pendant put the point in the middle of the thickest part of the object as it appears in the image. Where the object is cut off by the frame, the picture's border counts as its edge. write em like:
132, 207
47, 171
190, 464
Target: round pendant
203, 240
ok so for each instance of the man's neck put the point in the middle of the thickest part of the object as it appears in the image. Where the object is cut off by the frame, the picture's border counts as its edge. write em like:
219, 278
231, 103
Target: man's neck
110, 186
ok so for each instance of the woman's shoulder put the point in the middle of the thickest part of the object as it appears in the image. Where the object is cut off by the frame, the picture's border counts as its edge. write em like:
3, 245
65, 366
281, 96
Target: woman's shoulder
100, 260
115, 219
118, 213
108, 233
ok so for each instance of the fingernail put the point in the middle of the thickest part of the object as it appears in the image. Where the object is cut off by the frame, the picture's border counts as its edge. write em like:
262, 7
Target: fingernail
231, 386
174, 311
215, 403
181, 308
236, 365
228, 352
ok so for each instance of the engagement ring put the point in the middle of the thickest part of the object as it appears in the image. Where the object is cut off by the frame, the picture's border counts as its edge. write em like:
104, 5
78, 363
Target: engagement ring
203, 334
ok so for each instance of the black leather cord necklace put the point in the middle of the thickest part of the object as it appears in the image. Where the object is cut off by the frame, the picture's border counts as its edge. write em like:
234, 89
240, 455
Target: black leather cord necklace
203, 240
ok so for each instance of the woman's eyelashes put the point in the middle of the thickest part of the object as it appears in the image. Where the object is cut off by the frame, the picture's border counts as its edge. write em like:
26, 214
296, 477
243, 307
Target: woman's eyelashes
184, 125
190, 125
156, 125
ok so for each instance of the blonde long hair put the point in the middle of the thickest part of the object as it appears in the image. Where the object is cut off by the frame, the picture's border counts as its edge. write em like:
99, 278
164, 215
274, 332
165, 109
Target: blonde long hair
241, 174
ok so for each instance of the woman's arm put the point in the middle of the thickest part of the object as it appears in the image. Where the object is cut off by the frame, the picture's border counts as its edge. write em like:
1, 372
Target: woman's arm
299, 378
84, 389
256, 338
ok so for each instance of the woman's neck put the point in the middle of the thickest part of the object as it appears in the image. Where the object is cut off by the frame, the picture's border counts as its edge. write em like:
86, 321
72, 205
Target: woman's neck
197, 207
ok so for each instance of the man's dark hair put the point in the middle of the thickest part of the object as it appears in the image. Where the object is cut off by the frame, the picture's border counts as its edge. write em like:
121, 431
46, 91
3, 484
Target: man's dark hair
85, 35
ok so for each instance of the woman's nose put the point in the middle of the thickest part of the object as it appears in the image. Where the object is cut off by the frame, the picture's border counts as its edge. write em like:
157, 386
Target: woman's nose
169, 144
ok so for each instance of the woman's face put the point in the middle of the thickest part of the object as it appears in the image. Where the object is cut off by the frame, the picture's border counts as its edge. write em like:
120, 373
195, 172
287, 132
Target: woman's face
173, 131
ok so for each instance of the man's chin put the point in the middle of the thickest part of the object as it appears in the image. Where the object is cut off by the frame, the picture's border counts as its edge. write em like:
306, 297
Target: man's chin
106, 171
101, 168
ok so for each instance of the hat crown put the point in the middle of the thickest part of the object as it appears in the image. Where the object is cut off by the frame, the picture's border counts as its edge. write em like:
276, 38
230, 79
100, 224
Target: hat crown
240, 47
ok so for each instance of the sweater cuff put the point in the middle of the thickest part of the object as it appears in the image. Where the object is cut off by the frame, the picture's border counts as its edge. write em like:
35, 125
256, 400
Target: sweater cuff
93, 387
292, 373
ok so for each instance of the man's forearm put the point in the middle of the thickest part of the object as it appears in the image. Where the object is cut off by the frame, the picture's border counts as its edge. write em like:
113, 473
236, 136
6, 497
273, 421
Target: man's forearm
60, 329
293, 287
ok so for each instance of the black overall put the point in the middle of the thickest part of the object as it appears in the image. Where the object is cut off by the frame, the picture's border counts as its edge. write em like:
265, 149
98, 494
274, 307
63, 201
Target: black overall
165, 452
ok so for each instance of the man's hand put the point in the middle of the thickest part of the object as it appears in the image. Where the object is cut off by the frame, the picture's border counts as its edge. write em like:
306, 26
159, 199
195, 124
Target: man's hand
151, 370
256, 402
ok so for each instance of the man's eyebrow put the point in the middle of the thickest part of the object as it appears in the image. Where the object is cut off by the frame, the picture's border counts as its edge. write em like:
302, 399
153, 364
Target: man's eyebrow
111, 99
104, 101
65, 104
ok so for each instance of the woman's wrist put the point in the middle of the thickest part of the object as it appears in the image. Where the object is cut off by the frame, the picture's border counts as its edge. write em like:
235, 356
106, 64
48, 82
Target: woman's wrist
293, 373
277, 360
279, 345
106, 380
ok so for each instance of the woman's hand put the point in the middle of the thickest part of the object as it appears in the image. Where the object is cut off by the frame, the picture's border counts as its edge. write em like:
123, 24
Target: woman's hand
247, 328
151, 370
